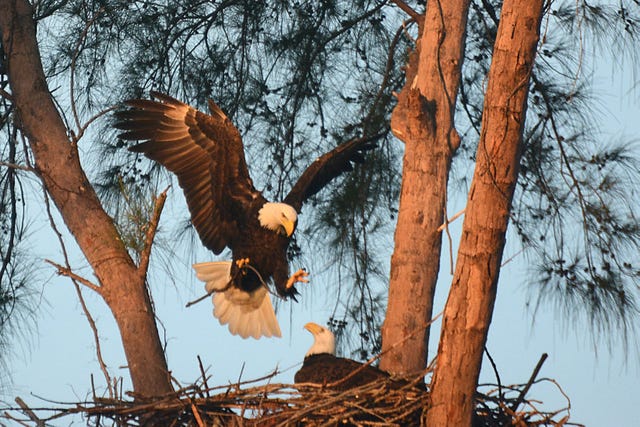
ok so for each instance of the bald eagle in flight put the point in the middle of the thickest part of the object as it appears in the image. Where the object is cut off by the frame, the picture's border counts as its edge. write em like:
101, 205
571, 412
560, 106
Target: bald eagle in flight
322, 366
206, 153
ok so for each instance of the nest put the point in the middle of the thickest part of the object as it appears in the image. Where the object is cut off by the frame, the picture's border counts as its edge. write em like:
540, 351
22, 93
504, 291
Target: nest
379, 403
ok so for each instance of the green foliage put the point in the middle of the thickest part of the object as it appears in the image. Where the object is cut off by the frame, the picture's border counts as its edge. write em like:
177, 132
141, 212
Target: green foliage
574, 208
297, 78
16, 303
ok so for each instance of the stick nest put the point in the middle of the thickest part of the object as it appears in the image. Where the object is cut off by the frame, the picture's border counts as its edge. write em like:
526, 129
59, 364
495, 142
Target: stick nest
375, 404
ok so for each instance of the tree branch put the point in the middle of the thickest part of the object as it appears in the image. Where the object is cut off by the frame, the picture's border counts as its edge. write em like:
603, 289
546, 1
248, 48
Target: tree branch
525, 390
409, 11
145, 254
32, 416
17, 166
65, 271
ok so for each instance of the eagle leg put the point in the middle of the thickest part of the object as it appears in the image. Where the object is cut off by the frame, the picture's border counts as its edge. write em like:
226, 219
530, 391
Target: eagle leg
299, 276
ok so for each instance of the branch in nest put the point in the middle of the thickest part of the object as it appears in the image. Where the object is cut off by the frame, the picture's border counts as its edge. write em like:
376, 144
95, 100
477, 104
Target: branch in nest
271, 404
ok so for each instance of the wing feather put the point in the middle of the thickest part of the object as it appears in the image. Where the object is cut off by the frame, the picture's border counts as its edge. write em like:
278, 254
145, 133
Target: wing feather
206, 154
327, 167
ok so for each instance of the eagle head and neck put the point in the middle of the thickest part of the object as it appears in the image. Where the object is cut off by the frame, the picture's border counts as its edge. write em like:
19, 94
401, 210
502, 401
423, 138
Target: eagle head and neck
323, 340
278, 217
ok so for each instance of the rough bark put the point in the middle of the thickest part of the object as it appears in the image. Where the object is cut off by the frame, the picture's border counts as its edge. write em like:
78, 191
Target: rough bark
424, 121
122, 284
470, 304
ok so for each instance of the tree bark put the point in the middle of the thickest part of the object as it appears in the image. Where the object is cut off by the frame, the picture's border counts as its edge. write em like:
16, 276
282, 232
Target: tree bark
470, 304
424, 121
122, 284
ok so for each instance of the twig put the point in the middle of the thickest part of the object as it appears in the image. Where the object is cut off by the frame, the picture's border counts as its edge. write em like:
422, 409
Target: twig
196, 415
203, 297
6, 95
228, 285
75, 279
495, 370
373, 359
29, 412
526, 388
95, 117
450, 220
74, 58
17, 166
409, 11
65, 271
204, 376
145, 254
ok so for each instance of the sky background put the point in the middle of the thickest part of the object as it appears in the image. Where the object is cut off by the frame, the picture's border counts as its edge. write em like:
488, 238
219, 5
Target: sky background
55, 363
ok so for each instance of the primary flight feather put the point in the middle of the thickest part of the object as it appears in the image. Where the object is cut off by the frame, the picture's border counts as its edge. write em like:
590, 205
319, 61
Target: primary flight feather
206, 153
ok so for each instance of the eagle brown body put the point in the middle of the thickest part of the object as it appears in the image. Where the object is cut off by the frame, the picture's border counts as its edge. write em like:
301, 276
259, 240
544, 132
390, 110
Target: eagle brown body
206, 154
337, 372
321, 365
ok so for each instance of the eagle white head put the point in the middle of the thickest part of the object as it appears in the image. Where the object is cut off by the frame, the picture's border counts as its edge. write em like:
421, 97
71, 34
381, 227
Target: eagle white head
323, 339
278, 217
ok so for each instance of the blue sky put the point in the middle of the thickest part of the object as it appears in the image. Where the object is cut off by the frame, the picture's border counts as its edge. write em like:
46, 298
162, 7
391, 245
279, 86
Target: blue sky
603, 384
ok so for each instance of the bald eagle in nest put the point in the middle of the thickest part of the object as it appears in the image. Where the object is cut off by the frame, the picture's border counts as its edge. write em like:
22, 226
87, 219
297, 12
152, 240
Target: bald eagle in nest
206, 153
322, 366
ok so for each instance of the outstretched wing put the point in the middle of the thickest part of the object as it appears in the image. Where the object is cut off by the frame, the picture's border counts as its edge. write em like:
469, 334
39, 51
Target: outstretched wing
206, 154
327, 167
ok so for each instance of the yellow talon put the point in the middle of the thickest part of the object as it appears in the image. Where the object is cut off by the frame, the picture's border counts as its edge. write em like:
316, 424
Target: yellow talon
299, 276
242, 262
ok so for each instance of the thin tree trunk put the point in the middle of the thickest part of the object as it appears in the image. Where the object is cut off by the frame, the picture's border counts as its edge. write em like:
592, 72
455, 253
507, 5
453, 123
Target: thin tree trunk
424, 121
470, 304
122, 284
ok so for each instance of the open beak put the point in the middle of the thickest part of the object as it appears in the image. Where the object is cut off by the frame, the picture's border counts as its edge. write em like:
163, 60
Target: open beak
314, 328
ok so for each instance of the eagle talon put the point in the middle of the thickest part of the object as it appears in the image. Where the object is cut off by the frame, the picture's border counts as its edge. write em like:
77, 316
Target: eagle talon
299, 276
242, 262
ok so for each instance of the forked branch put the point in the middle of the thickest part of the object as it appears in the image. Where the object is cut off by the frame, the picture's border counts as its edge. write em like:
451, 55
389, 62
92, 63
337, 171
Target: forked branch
145, 254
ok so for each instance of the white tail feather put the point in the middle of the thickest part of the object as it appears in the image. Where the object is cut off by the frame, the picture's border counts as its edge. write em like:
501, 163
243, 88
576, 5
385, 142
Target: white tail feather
248, 314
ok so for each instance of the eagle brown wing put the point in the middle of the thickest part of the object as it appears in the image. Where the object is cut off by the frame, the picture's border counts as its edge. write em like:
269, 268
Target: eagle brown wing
204, 151
337, 372
327, 167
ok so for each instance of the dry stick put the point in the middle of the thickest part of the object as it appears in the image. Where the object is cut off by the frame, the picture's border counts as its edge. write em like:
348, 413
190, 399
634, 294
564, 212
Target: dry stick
204, 376
525, 390
265, 392
512, 257
6, 95
495, 370
190, 303
445, 227
228, 285
151, 232
450, 220
409, 11
8, 416
196, 415
75, 279
17, 166
29, 412
66, 271
449, 239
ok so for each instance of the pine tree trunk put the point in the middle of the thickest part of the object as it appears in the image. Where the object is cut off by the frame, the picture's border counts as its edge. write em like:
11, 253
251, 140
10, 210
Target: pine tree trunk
470, 304
424, 121
58, 164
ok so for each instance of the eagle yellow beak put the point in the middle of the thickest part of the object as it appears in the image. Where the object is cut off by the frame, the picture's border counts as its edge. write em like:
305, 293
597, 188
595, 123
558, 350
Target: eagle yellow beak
314, 328
288, 226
